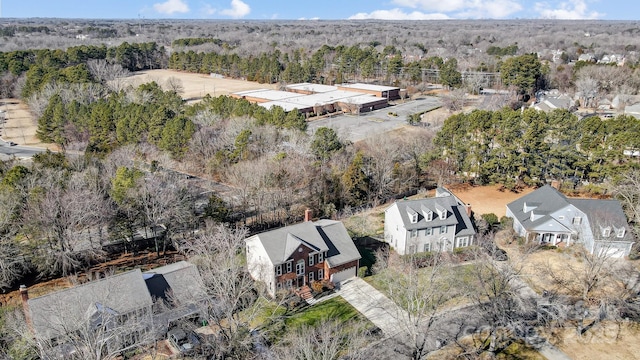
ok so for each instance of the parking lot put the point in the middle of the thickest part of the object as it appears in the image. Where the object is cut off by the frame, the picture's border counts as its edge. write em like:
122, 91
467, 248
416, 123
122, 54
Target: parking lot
359, 127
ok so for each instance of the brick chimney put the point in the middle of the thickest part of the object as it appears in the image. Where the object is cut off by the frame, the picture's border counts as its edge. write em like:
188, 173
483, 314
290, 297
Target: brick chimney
307, 215
24, 294
468, 208
555, 184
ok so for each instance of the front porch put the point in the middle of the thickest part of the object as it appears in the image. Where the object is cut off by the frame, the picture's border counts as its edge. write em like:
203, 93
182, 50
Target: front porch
551, 238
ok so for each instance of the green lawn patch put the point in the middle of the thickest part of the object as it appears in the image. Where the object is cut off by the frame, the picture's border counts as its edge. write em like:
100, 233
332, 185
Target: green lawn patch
334, 309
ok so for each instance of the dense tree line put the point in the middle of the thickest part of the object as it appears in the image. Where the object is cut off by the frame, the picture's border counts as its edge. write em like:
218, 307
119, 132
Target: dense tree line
512, 146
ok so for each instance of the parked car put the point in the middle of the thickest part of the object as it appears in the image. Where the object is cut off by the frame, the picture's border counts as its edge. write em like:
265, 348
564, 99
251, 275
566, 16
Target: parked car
183, 340
11, 143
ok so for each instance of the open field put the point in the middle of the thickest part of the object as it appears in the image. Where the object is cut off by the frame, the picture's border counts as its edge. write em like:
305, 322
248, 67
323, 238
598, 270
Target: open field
196, 86
487, 199
20, 126
604, 341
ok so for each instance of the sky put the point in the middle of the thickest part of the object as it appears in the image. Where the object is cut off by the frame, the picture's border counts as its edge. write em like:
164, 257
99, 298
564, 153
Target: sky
323, 9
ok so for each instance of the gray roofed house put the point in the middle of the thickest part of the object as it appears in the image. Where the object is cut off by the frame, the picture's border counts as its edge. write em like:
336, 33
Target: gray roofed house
547, 216
294, 256
121, 310
440, 223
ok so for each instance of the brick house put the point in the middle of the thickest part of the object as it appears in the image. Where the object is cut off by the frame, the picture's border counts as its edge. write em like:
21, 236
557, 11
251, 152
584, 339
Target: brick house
294, 256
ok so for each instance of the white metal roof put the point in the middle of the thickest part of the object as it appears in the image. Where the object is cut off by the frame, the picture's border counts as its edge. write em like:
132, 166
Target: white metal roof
369, 87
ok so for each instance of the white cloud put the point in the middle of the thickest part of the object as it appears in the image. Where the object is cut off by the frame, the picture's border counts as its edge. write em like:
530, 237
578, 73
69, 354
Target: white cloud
208, 9
171, 6
238, 9
571, 9
397, 14
313, 18
494, 9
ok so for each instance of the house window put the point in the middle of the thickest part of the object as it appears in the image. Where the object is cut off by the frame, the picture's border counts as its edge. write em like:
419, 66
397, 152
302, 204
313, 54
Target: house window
443, 215
620, 233
429, 216
320, 274
311, 259
443, 229
320, 257
414, 218
428, 231
577, 220
300, 268
414, 233
289, 283
278, 270
462, 241
606, 232
279, 286
311, 276
289, 266
427, 247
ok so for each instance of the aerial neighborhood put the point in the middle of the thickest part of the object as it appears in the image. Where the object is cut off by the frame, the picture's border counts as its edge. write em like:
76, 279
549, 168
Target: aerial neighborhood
319, 189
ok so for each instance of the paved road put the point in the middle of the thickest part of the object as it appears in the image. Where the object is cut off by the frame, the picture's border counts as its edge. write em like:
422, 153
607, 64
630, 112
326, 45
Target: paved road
359, 127
7, 151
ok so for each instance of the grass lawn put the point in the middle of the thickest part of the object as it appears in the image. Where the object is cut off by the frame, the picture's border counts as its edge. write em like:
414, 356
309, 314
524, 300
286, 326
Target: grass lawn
333, 309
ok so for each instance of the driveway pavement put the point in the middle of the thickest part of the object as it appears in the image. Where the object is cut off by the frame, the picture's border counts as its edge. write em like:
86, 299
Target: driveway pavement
379, 309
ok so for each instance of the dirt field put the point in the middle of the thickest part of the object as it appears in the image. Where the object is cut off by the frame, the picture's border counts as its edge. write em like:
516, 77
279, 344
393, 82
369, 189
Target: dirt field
487, 199
20, 126
603, 341
197, 85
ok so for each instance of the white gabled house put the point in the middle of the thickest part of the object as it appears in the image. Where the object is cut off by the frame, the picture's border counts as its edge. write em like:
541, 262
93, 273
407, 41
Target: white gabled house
549, 217
440, 223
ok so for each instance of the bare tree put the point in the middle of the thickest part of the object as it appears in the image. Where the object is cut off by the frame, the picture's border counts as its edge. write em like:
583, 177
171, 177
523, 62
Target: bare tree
217, 253
326, 340
108, 74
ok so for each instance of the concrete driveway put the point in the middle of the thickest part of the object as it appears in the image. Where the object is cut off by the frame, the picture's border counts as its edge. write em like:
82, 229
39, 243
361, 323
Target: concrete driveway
379, 309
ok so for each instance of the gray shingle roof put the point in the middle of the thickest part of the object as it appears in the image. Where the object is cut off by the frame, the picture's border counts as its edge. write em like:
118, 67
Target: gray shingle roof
182, 279
65, 311
547, 200
456, 214
323, 235
280, 243
341, 247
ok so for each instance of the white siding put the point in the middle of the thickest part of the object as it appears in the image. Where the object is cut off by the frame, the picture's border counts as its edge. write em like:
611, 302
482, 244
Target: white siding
259, 265
394, 232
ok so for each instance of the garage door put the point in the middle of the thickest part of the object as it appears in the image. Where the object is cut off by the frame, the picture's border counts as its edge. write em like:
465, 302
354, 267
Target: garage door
343, 275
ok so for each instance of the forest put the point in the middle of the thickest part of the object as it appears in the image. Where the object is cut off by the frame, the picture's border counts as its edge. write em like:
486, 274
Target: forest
125, 148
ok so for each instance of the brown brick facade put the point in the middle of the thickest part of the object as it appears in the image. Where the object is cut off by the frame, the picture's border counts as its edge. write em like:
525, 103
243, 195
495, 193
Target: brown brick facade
300, 254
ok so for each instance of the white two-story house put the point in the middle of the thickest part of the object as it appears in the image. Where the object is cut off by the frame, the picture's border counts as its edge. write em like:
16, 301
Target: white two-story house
440, 223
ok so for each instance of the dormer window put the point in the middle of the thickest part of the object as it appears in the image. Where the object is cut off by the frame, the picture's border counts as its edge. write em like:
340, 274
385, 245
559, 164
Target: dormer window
443, 214
606, 232
429, 216
413, 215
620, 232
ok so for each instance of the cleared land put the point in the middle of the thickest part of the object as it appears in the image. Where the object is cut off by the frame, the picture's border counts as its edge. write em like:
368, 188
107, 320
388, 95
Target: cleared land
196, 86
487, 199
20, 126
